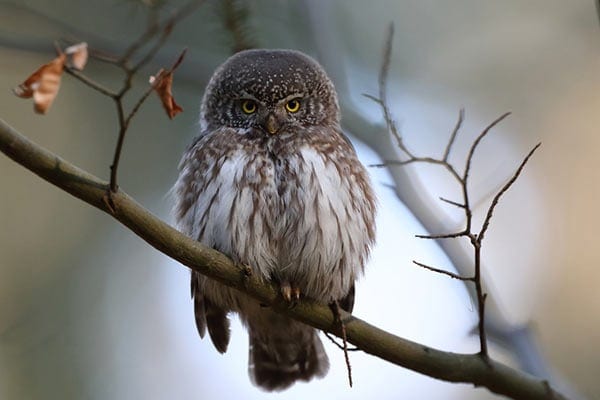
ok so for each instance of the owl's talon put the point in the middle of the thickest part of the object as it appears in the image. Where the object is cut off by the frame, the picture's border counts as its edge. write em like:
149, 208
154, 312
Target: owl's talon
290, 293
286, 291
296, 294
246, 269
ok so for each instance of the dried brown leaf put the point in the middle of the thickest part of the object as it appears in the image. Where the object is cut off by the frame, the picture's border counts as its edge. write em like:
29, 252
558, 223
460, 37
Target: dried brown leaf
43, 84
78, 55
162, 83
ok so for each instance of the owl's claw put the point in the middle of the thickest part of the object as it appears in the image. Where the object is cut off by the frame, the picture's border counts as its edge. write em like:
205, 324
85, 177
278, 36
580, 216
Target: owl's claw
290, 293
246, 269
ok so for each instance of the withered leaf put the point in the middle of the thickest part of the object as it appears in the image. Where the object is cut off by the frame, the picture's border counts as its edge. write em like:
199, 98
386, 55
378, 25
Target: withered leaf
162, 83
43, 84
78, 55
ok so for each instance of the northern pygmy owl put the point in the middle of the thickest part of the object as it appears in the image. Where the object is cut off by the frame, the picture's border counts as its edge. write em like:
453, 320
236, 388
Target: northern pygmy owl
272, 182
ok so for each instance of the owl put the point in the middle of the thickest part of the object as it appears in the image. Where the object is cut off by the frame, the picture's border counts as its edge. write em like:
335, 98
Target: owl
272, 182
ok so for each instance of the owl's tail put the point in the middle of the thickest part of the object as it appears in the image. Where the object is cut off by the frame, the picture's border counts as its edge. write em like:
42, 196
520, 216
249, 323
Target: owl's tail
279, 360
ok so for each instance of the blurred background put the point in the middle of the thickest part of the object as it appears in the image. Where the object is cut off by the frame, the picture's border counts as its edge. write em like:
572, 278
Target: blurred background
88, 310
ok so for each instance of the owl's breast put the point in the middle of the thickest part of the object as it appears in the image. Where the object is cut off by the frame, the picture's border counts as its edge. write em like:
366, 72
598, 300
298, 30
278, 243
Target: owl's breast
324, 220
302, 215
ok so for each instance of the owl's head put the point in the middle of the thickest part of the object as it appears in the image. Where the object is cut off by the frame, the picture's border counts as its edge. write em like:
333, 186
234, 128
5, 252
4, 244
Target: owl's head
272, 91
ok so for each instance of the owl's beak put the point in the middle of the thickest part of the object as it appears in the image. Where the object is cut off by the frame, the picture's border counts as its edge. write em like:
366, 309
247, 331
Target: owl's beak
271, 124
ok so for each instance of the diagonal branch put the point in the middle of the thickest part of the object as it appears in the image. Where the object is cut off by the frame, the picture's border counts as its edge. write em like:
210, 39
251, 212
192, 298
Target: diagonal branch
476, 144
452, 367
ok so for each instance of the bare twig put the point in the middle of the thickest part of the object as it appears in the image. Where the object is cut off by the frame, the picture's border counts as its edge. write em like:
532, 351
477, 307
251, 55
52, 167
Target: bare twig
461, 118
444, 235
476, 144
444, 272
335, 307
90, 82
463, 181
452, 202
475, 239
500, 193
124, 63
339, 346
382, 100
166, 32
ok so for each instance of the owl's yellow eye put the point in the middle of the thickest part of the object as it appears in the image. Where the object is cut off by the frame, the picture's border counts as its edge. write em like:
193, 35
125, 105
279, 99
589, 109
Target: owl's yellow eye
248, 106
292, 105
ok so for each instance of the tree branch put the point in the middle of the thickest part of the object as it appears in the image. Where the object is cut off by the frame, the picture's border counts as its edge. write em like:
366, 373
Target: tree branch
452, 367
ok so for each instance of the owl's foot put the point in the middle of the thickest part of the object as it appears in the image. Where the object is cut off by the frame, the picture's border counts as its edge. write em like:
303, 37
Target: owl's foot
290, 293
246, 269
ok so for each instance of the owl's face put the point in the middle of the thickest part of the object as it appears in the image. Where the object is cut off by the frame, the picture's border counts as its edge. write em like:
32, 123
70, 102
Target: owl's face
269, 91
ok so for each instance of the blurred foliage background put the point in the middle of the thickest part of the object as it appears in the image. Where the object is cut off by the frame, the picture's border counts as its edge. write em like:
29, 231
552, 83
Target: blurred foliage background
87, 309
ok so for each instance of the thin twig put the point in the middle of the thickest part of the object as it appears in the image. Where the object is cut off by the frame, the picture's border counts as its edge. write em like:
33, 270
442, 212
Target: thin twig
335, 307
90, 82
114, 167
130, 72
451, 202
166, 32
383, 76
373, 98
444, 235
476, 144
461, 117
444, 272
339, 346
462, 179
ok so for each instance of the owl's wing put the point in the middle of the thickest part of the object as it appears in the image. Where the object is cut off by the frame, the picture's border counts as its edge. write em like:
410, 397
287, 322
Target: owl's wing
208, 315
199, 312
189, 220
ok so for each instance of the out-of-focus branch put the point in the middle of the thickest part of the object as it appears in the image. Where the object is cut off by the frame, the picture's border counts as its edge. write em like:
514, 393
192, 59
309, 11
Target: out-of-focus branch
235, 19
453, 367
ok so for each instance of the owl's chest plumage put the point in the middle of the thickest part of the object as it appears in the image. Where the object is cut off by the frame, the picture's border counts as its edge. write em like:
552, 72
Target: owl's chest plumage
293, 212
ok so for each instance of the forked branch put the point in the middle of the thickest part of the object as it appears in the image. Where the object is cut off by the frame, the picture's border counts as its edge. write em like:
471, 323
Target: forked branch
130, 68
475, 238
